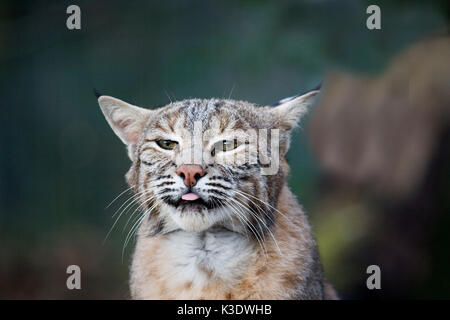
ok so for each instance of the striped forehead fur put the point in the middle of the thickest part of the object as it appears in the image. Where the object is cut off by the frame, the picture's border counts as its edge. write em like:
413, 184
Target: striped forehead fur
202, 110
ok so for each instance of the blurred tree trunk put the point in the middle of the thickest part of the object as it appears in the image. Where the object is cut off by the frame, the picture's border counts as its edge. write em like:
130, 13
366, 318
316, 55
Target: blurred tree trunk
384, 143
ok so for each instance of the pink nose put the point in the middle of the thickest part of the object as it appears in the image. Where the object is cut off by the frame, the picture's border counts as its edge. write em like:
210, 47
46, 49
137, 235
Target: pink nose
190, 173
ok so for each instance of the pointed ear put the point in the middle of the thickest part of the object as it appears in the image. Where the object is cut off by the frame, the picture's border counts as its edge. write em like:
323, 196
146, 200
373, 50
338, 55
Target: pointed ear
287, 112
126, 120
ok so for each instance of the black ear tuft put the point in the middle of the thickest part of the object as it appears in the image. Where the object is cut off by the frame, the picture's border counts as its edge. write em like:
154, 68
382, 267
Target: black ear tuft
297, 95
97, 94
318, 87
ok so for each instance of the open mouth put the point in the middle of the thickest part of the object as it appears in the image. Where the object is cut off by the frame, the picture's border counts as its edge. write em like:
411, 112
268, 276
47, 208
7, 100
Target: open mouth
192, 201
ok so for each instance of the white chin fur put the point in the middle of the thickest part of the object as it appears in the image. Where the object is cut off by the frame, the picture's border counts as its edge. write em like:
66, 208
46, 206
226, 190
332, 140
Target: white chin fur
194, 220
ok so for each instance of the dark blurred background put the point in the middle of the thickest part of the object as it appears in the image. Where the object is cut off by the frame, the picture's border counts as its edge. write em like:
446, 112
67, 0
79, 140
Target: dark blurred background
61, 164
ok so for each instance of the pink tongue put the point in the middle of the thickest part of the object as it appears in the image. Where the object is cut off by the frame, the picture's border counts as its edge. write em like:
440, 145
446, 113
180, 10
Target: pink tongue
190, 196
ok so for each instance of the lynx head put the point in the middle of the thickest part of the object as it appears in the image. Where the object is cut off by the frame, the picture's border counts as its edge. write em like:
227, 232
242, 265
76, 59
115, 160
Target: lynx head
197, 164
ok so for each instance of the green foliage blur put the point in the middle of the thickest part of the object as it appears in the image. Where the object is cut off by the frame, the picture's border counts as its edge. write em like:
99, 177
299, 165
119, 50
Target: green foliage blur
60, 162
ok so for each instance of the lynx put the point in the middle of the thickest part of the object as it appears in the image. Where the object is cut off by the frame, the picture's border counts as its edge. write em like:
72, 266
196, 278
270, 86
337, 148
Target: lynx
214, 224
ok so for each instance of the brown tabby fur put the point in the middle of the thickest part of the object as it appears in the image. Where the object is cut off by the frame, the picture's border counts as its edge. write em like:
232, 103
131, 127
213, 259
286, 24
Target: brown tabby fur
252, 240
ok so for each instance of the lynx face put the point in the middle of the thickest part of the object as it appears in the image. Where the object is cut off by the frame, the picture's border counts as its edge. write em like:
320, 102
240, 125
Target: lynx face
198, 164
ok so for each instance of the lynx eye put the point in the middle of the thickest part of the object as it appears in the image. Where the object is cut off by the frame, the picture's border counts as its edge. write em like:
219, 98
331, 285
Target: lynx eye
228, 145
167, 144
225, 145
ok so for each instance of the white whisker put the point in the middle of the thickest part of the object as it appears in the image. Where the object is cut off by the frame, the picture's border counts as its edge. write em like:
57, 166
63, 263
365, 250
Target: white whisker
127, 189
